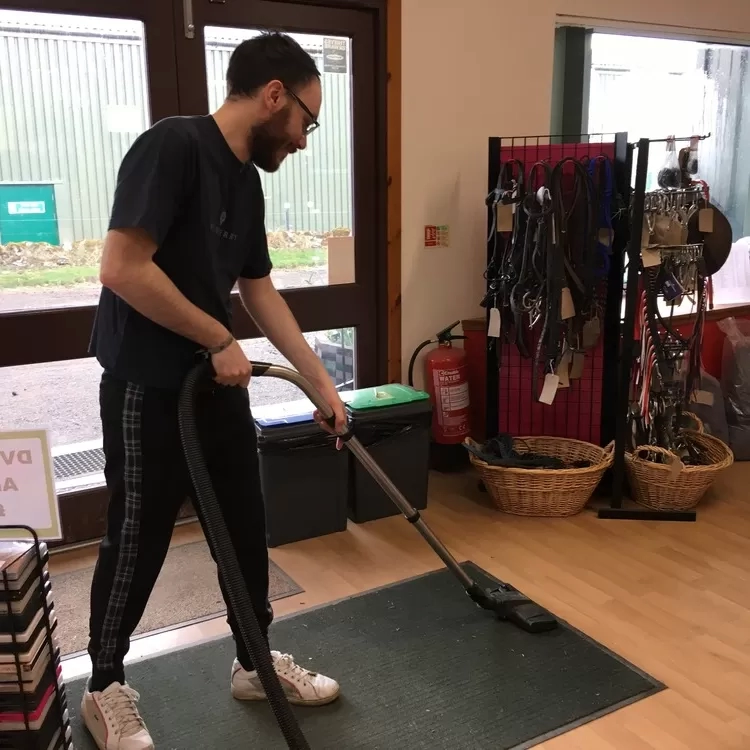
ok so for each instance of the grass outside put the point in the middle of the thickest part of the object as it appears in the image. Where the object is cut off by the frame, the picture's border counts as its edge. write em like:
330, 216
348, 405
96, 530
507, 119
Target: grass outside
71, 275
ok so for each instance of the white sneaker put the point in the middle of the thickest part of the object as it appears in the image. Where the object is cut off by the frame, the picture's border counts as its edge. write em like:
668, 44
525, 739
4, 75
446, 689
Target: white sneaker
302, 687
113, 720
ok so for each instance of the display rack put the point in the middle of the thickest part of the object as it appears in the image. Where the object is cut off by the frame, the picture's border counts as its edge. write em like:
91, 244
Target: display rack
584, 410
33, 703
617, 508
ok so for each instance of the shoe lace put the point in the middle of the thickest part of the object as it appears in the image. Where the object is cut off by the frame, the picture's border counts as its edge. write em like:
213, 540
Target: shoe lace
122, 705
286, 663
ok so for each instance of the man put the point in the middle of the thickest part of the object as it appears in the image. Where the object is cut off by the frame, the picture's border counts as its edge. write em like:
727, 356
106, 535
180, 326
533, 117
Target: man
187, 224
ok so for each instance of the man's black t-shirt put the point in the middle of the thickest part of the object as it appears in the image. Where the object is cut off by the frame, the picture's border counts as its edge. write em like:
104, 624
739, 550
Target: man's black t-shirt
205, 210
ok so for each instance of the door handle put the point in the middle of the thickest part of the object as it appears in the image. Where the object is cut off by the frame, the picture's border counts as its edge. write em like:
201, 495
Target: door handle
187, 15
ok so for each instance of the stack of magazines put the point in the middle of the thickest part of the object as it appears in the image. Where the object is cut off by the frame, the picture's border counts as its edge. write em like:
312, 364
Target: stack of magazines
33, 707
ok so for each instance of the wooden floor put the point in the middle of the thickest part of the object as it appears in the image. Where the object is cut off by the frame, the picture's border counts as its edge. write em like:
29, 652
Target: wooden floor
674, 599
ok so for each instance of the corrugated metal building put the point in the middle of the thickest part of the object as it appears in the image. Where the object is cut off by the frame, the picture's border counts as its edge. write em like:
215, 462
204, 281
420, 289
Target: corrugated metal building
73, 98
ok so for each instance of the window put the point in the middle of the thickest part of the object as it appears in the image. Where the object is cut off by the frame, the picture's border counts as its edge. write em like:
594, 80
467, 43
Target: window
63, 397
61, 147
309, 206
653, 88
60, 152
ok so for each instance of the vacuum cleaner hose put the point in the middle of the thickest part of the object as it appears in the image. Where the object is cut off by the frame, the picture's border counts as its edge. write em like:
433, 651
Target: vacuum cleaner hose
226, 557
508, 604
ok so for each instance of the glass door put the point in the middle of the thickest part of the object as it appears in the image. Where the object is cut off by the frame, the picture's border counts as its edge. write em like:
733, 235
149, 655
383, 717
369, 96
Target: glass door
79, 81
77, 86
322, 206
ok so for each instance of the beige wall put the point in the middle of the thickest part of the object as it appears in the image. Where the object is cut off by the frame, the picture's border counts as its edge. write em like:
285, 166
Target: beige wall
472, 69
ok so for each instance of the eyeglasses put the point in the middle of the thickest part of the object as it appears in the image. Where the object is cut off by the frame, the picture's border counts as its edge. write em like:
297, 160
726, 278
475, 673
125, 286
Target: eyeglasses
314, 124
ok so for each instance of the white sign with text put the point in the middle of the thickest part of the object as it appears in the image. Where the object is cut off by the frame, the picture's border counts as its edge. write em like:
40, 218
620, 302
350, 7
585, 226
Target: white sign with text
27, 486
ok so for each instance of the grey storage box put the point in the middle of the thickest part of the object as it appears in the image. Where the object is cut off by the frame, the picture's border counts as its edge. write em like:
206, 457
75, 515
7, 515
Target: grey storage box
304, 477
393, 422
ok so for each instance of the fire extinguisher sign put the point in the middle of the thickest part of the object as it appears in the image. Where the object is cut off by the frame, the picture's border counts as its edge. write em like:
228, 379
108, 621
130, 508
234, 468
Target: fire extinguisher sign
436, 235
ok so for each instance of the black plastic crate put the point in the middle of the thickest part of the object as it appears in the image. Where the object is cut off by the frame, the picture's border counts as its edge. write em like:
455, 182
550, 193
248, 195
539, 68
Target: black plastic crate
304, 479
394, 426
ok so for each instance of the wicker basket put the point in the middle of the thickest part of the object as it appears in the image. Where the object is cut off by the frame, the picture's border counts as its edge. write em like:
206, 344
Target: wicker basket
699, 426
658, 487
545, 492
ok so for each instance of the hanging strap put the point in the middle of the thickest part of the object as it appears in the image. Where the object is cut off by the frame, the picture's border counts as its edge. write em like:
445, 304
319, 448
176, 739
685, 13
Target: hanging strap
600, 172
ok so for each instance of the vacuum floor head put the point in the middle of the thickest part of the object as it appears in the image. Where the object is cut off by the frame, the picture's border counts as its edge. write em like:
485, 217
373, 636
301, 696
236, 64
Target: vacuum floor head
510, 604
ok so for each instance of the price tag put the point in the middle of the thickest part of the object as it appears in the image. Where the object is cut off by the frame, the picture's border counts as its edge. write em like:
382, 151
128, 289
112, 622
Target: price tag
590, 333
706, 220
605, 236
567, 308
662, 224
676, 466
505, 213
676, 233
650, 256
549, 391
703, 397
576, 367
563, 369
495, 324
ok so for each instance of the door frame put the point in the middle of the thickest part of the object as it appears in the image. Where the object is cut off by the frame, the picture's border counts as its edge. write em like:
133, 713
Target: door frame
35, 337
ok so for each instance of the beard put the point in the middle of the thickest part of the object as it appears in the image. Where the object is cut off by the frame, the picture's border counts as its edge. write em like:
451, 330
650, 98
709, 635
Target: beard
269, 142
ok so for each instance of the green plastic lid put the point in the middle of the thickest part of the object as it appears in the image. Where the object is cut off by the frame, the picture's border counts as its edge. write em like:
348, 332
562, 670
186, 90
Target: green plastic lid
392, 394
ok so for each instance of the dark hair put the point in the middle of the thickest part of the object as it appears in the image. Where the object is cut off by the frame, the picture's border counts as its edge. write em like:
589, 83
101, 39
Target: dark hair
268, 57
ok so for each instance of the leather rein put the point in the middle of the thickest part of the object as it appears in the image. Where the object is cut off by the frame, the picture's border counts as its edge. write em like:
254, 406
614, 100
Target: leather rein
546, 269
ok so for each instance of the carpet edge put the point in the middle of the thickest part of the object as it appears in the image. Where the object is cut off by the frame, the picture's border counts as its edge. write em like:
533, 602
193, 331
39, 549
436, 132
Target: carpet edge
588, 719
625, 662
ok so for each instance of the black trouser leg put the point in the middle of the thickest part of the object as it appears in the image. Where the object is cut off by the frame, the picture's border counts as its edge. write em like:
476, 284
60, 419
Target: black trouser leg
229, 444
147, 481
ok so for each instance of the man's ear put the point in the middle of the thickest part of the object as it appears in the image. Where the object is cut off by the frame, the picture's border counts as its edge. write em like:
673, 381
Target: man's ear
273, 96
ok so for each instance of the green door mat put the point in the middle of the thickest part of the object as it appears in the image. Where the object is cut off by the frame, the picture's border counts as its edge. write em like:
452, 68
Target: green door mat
420, 667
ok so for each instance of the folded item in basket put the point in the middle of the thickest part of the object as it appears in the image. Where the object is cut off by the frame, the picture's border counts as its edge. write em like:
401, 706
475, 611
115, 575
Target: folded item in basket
500, 452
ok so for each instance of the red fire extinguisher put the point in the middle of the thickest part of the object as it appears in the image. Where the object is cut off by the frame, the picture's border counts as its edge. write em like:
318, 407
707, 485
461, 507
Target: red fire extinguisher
446, 379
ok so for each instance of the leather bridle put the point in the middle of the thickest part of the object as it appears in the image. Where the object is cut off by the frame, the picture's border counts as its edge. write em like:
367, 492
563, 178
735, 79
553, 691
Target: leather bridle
500, 272
527, 293
554, 250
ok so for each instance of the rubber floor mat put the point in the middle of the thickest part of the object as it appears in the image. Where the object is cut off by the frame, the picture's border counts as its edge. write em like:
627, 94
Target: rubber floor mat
420, 666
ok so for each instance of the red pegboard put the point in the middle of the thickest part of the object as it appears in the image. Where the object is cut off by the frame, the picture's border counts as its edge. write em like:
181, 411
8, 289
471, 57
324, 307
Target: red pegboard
576, 410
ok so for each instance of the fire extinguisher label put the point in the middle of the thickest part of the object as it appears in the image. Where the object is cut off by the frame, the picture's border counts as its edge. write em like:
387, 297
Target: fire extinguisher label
455, 397
453, 401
